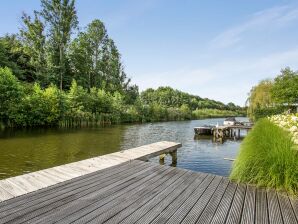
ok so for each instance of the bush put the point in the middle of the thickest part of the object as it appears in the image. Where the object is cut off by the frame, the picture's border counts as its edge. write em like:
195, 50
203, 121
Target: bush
266, 111
11, 93
268, 157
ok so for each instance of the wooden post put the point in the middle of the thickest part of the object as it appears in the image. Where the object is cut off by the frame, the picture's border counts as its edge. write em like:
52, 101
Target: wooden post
174, 157
162, 159
239, 133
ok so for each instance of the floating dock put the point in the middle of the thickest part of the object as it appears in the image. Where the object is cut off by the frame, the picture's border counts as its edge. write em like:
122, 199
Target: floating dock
144, 192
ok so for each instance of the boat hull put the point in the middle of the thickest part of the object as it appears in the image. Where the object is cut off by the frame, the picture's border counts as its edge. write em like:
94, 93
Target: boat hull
203, 130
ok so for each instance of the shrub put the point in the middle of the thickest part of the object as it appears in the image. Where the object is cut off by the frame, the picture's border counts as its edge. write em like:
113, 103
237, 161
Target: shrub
268, 157
11, 93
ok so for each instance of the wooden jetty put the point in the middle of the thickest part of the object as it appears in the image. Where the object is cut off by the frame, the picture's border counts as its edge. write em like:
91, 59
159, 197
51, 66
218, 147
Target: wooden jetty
223, 132
144, 192
16, 186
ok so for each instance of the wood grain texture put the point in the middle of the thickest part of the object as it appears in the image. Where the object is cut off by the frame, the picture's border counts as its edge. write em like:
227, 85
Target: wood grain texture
145, 192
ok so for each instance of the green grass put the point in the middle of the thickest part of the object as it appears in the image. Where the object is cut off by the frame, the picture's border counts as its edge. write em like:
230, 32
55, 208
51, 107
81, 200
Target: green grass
268, 158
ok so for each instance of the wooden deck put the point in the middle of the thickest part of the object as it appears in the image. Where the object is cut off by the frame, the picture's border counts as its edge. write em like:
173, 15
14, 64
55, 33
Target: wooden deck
145, 192
24, 184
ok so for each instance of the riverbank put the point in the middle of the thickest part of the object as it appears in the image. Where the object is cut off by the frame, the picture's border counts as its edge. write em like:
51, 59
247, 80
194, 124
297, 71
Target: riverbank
29, 105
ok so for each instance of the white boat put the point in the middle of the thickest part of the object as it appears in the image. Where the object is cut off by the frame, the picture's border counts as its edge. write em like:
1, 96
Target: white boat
229, 121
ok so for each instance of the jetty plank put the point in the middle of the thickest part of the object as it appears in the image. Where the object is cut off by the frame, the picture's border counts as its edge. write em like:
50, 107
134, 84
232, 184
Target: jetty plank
248, 215
274, 211
287, 211
235, 213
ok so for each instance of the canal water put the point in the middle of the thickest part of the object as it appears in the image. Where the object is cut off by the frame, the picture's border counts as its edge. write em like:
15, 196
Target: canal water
28, 150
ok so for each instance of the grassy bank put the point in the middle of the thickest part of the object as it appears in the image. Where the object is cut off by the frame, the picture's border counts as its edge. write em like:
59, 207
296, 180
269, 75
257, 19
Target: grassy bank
268, 158
215, 113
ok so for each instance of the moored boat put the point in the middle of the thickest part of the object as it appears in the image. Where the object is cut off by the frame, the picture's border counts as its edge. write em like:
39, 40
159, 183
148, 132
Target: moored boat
204, 130
229, 121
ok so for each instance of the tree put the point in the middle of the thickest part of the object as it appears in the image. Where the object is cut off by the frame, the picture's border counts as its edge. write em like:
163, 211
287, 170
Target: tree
260, 96
87, 53
34, 41
15, 58
61, 17
115, 79
285, 88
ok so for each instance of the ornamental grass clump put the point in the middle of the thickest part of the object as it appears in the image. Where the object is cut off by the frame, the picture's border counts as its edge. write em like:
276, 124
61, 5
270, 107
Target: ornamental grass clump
268, 157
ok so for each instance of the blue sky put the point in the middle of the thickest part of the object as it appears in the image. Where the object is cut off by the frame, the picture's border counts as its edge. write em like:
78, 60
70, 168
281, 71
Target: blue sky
215, 49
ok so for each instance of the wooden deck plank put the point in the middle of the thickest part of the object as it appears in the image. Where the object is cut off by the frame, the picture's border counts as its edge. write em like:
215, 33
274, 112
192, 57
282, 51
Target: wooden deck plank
213, 204
13, 189
5, 194
249, 207
235, 212
225, 204
261, 207
170, 203
162, 217
140, 193
155, 204
294, 203
149, 201
181, 212
201, 204
67, 186
274, 211
75, 209
286, 209
33, 209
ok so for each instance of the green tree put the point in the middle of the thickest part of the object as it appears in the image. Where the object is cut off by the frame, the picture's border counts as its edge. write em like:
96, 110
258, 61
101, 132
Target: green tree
87, 53
61, 17
115, 79
34, 41
15, 58
260, 97
285, 88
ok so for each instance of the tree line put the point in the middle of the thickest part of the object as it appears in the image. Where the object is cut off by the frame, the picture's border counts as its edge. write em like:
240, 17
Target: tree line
274, 96
55, 73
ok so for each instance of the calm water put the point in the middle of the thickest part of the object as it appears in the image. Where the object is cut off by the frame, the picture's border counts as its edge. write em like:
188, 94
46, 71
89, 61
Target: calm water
24, 151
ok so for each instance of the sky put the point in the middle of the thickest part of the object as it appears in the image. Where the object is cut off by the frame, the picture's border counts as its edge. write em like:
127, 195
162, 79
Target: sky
214, 49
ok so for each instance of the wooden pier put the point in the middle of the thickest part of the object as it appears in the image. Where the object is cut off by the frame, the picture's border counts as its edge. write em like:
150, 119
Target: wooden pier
16, 186
223, 132
144, 192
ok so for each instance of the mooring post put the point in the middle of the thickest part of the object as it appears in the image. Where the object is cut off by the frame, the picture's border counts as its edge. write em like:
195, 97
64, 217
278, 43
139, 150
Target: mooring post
174, 157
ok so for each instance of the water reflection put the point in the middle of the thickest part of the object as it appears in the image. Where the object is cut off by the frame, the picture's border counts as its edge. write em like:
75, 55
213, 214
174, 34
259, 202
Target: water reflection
29, 150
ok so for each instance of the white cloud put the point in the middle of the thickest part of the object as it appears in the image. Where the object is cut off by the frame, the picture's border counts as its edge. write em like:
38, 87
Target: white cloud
228, 80
273, 17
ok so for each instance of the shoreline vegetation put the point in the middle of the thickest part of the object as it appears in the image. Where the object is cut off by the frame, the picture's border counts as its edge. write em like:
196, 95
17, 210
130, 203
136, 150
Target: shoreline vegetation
268, 157
55, 73
28, 105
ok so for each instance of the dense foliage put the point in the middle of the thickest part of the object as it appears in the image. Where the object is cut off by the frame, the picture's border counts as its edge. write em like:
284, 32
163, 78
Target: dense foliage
271, 97
53, 73
268, 157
